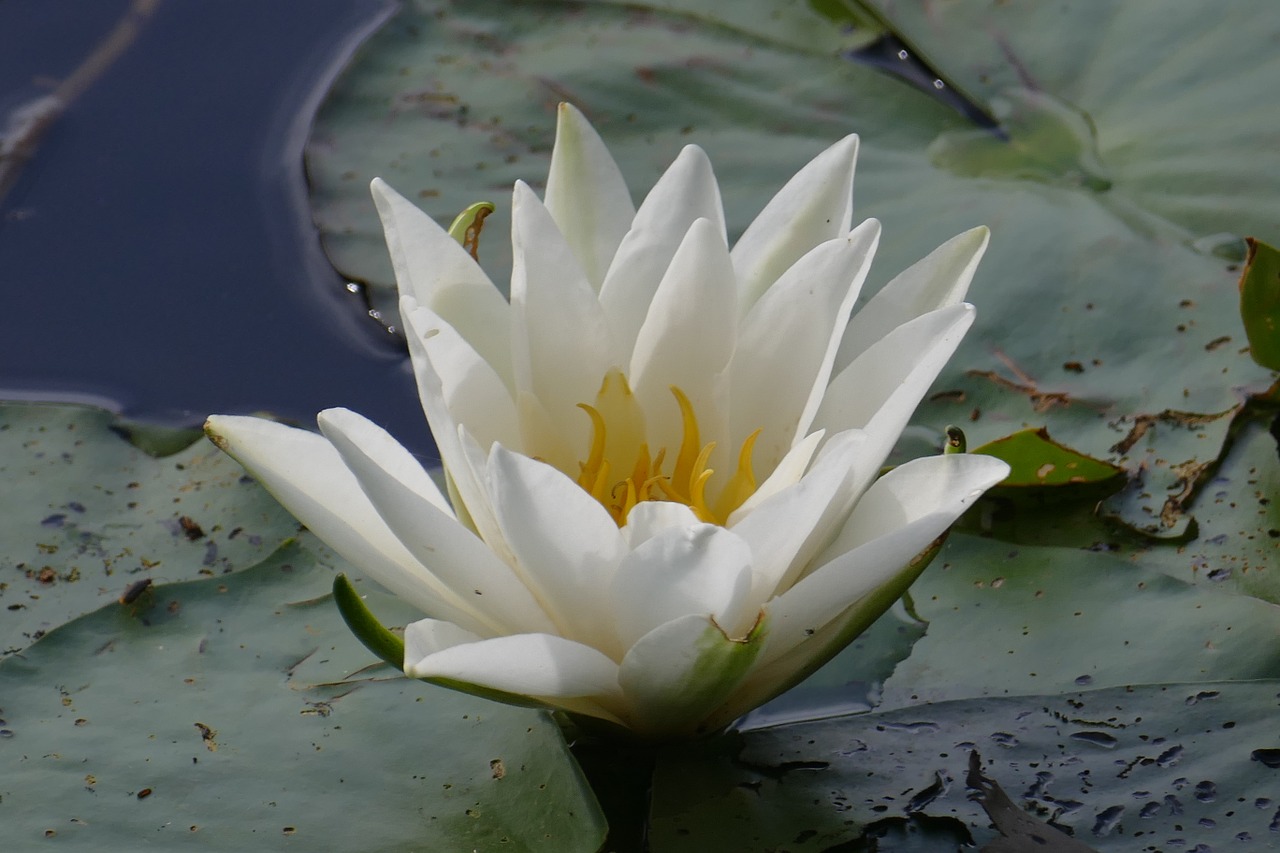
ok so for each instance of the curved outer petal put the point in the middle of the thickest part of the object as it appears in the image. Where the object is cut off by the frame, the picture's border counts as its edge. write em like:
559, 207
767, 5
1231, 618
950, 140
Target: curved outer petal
786, 530
939, 279
586, 194
540, 669
305, 473
402, 493
687, 341
648, 518
702, 570
679, 672
882, 387
566, 545
815, 205
789, 339
686, 192
438, 273
473, 391
561, 343
898, 517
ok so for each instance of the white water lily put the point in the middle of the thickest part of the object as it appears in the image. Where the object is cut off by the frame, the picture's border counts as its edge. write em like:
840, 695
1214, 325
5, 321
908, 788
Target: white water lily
662, 453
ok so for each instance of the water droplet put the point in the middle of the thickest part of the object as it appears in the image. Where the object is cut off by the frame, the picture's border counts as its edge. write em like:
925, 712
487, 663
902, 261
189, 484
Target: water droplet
6, 732
54, 520
1219, 575
1084, 680
1149, 810
1207, 822
1099, 739
1206, 791
1004, 739
1261, 802
903, 55
1201, 696
1107, 820
938, 84
1269, 757
1170, 756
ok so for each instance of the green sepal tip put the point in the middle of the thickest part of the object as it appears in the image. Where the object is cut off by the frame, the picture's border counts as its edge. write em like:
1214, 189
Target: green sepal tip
467, 225
368, 630
955, 442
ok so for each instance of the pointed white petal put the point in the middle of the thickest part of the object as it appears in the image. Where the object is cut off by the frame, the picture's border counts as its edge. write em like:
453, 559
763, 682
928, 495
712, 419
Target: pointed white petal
401, 491
685, 193
879, 391
561, 343
648, 518
436, 271
687, 340
816, 205
789, 339
586, 194
789, 528
898, 517
542, 667
701, 569
939, 279
681, 671
305, 473
474, 393
566, 545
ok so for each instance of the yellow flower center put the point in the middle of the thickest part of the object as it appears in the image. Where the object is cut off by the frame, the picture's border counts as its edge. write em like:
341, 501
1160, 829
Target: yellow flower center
618, 444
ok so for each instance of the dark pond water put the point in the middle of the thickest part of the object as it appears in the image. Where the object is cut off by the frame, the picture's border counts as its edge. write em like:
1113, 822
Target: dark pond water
156, 253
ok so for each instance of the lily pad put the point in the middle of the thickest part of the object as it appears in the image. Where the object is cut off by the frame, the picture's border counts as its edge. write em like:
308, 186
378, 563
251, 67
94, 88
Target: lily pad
238, 713
1156, 767
86, 514
1113, 188
1036, 460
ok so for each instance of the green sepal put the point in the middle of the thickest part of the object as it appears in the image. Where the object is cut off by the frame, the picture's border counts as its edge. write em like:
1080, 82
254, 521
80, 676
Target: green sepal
956, 442
467, 225
368, 630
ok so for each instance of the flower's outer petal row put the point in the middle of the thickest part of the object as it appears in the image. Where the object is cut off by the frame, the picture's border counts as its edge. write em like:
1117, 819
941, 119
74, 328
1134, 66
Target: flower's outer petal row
531, 669
897, 518
688, 339
435, 403
879, 391
786, 474
473, 391
681, 671
398, 487
438, 273
587, 195
305, 473
702, 570
939, 279
789, 339
561, 343
649, 518
816, 205
779, 528
686, 192
566, 545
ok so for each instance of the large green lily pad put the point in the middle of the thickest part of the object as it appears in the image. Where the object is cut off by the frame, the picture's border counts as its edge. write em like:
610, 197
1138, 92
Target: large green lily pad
1161, 767
85, 515
238, 713
1124, 170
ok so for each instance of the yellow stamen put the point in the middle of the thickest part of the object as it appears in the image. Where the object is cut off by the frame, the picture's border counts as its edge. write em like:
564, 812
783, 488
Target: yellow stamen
743, 483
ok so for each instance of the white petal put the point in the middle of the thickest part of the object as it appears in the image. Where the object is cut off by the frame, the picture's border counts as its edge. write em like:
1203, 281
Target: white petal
789, 339
939, 279
428, 636
686, 192
474, 393
648, 518
542, 669
787, 530
561, 343
898, 517
679, 672
879, 391
787, 473
586, 194
816, 205
566, 545
436, 271
401, 491
701, 569
305, 473
687, 340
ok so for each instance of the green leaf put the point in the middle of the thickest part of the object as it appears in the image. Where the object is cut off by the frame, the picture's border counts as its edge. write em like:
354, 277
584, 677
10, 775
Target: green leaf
85, 514
1260, 302
239, 714
1037, 460
1149, 767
